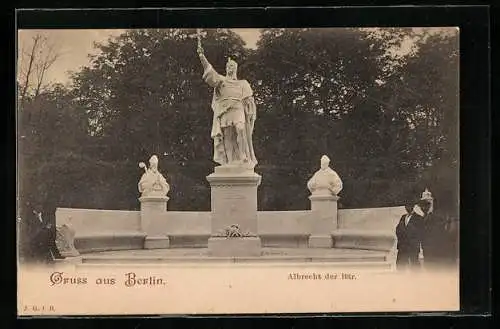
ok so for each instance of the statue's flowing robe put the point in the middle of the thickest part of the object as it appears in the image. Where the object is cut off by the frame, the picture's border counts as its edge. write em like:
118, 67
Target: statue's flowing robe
232, 104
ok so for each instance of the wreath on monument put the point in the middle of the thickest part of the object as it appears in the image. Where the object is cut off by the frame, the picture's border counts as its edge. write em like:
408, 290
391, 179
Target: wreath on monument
233, 231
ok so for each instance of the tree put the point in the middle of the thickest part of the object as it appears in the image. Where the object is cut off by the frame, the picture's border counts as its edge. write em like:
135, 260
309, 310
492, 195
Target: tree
436, 129
418, 120
34, 60
389, 130
144, 94
313, 88
51, 132
49, 127
359, 96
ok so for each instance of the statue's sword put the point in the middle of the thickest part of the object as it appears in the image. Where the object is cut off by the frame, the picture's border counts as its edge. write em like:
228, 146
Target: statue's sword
198, 36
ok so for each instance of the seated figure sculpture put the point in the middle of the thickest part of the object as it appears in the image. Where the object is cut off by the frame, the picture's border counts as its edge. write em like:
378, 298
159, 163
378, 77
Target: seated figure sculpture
152, 182
325, 181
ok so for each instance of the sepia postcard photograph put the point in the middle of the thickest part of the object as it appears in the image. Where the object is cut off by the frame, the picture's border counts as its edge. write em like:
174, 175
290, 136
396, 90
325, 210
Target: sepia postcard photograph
237, 170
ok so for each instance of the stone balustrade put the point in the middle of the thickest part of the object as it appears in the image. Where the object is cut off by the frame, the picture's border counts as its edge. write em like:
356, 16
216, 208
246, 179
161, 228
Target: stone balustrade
100, 230
234, 205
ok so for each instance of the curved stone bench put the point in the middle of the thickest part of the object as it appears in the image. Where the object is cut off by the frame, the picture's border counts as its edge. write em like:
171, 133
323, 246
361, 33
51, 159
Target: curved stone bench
107, 241
343, 238
364, 239
269, 240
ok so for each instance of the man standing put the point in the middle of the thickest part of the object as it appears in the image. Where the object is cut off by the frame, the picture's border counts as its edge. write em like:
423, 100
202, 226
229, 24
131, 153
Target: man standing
408, 233
45, 238
434, 236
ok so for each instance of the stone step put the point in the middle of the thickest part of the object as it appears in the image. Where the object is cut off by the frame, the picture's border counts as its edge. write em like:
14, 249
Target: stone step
365, 265
127, 259
338, 258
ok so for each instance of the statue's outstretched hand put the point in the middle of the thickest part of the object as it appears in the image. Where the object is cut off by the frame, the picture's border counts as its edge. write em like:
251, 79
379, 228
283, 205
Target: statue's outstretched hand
199, 50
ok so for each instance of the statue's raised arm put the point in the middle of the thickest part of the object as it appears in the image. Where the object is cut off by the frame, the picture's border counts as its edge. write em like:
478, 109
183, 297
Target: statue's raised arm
203, 59
210, 76
234, 114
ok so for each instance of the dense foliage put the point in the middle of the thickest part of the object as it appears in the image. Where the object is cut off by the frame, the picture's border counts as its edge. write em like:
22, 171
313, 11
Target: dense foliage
389, 122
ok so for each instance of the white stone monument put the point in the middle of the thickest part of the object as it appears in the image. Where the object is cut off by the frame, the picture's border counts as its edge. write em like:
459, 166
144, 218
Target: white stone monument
324, 186
234, 183
234, 212
153, 188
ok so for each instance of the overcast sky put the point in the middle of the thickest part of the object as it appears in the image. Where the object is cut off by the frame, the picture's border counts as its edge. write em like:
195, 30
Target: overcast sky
76, 45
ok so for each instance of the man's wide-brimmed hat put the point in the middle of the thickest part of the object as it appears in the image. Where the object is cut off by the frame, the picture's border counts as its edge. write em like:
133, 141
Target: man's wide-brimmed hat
422, 202
153, 159
427, 195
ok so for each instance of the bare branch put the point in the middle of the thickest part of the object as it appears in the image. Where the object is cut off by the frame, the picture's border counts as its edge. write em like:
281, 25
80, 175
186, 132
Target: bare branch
36, 39
40, 58
49, 59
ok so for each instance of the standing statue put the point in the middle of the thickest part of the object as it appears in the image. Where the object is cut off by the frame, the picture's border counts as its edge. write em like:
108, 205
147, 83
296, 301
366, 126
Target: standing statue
152, 182
234, 115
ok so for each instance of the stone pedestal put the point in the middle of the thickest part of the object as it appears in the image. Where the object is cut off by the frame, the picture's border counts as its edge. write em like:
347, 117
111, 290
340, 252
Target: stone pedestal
324, 220
234, 202
153, 210
233, 247
320, 241
156, 242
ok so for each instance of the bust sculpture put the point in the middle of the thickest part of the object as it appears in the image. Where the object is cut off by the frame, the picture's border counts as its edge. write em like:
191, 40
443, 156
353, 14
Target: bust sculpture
325, 181
152, 182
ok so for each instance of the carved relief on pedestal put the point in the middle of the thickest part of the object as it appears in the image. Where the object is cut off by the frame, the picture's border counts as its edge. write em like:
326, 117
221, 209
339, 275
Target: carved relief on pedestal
65, 240
233, 231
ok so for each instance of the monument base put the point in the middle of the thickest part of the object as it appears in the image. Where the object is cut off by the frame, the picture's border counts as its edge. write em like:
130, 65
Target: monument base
70, 253
154, 203
234, 247
320, 241
157, 242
